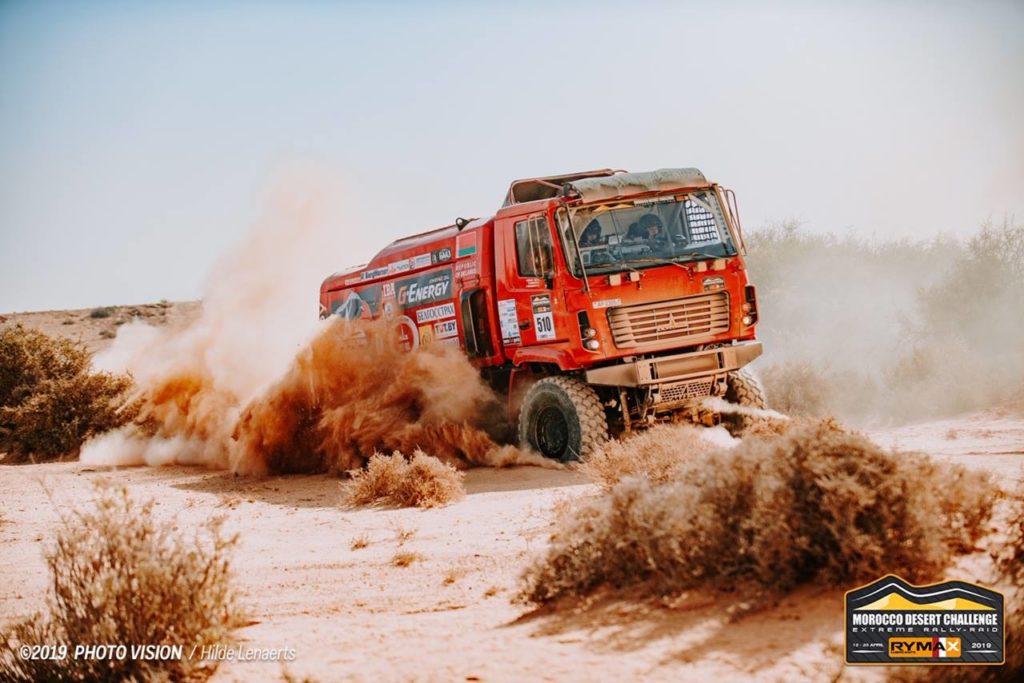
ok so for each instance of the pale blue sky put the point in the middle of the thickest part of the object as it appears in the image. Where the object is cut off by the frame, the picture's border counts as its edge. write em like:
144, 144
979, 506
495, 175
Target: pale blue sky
137, 140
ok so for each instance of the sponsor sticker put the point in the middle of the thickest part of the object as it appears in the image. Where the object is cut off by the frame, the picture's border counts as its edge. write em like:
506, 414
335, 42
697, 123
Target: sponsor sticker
421, 261
407, 336
441, 255
446, 329
362, 304
607, 303
891, 621
425, 289
426, 315
508, 321
426, 335
375, 273
543, 321
400, 266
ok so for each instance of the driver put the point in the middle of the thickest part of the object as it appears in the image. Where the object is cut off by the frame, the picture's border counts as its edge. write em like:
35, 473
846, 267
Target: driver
653, 231
591, 235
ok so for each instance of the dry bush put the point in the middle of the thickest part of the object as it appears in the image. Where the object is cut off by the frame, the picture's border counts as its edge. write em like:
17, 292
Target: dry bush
404, 559
119, 576
656, 454
402, 534
1010, 556
1010, 561
798, 389
814, 504
50, 400
422, 481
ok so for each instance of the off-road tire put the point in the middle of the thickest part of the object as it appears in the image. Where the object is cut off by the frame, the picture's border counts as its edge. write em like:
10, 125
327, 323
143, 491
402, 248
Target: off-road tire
563, 419
742, 388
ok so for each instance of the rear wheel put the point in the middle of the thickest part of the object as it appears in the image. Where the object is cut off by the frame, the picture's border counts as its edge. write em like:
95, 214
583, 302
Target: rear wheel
563, 419
743, 389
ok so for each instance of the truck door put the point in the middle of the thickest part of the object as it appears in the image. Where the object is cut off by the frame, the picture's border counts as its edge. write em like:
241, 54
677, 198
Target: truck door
524, 295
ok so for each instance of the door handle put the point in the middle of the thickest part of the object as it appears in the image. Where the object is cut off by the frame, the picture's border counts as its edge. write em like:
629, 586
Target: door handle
524, 325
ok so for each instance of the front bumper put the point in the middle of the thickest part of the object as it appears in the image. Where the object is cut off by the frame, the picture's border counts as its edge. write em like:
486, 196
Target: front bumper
678, 368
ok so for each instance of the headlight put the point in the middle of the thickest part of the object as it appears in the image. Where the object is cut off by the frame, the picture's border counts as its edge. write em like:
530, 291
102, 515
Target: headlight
747, 320
592, 344
589, 332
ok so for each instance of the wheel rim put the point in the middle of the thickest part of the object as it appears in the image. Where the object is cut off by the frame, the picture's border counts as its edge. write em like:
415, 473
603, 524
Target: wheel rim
552, 432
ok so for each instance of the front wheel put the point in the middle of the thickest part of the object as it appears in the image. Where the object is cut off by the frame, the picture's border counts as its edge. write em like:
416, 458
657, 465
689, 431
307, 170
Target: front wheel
563, 419
743, 389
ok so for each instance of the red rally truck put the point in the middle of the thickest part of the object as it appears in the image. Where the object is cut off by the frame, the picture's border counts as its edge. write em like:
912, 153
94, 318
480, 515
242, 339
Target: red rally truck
597, 302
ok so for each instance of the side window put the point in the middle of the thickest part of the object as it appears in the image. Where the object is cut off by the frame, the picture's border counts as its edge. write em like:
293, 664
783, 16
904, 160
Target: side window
533, 247
700, 221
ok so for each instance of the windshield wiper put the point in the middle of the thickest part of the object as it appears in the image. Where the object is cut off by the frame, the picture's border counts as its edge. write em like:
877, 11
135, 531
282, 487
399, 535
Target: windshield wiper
701, 254
659, 261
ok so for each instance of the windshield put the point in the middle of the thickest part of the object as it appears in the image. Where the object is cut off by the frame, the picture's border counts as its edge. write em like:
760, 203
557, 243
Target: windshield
626, 235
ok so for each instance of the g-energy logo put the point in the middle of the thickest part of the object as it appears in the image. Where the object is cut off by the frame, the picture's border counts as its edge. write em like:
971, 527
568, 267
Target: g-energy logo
891, 621
425, 289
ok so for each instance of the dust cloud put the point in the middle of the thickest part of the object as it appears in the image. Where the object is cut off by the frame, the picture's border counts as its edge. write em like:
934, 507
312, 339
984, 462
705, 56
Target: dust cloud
883, 331
258, 384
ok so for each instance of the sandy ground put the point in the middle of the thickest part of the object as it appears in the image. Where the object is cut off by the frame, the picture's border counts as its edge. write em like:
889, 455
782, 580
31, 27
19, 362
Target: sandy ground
353, 615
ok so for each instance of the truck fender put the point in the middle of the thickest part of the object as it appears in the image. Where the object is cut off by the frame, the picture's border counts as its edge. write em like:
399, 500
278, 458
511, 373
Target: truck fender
547, 356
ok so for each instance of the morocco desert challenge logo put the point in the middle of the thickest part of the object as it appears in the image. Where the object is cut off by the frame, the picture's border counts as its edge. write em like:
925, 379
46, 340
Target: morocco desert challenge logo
891, 621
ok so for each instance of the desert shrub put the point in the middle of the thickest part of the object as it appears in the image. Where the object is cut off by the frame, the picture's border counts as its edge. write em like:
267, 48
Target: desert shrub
798, 388
120, 576
1010, 555
814, 504
1010, 559
422, 481
656, 454
102, 312
404, 558
50, 400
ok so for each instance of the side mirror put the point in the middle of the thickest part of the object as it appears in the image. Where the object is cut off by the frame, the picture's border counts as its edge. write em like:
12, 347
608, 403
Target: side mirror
461, 223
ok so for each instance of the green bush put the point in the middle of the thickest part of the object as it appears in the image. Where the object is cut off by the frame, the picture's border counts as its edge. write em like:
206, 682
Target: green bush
102, 312
50, 400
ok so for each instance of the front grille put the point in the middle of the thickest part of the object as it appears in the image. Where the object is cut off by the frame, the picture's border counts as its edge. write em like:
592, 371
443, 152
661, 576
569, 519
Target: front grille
677, 320
687, 390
